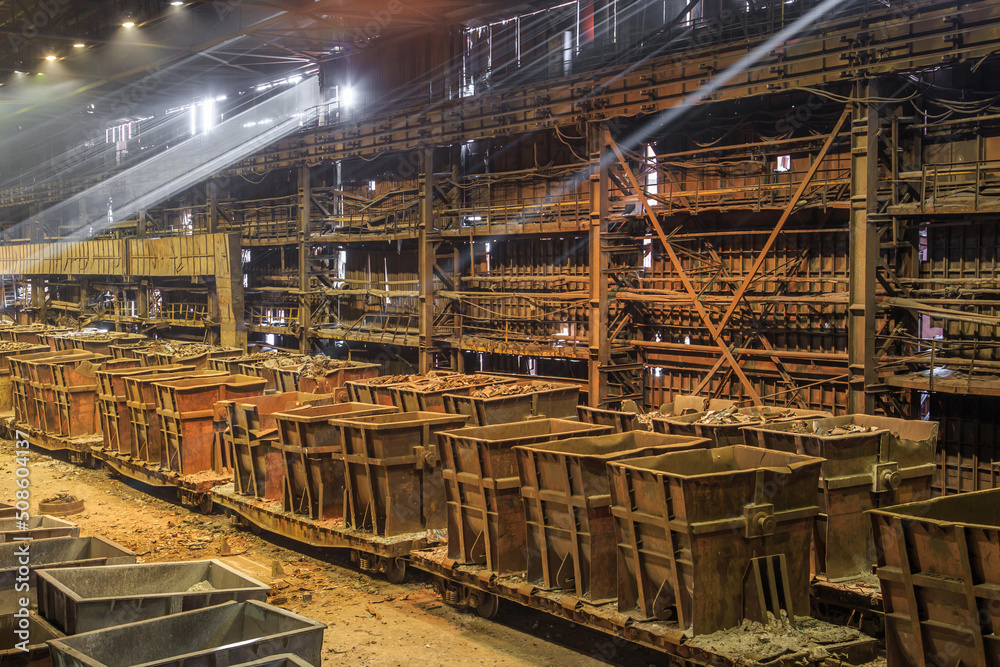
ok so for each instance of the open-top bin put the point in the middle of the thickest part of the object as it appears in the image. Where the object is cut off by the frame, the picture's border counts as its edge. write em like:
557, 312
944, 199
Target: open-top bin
514, 402
937, 565
722, 427
485, 513
567, 506
225, 634
312, 457
870, 462
84, 599
393, 471
699, 530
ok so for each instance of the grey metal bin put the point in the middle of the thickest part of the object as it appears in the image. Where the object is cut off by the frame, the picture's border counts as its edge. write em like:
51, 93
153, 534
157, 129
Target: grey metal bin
82, 599
226, 634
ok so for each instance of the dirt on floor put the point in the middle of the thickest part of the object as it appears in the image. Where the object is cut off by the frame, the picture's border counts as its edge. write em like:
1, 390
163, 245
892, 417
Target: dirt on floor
370, 621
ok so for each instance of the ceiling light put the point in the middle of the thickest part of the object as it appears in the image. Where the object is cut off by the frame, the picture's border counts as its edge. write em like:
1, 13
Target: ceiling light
79, 45
50, 58
128, 24
177, 3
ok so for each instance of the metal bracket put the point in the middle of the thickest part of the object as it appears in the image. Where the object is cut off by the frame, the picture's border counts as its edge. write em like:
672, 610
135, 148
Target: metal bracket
759, 520
886, 477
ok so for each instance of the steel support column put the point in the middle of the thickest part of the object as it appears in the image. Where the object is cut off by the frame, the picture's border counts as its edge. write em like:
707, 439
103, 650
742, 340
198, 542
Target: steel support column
229, 292
212, 206
425, 248
305, 214
864, 250
598, 140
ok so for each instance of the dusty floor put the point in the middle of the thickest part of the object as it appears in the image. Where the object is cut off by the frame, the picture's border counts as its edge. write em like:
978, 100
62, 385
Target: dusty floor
370, 621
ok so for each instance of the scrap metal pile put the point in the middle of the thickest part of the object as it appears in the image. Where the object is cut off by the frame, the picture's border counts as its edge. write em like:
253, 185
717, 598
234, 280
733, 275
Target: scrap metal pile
399, 379
319, 366
733, 415
438, 383
182, 349
816, 428
11, 346
494, 390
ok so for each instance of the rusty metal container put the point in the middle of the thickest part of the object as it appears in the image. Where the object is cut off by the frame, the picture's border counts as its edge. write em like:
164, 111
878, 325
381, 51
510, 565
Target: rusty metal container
870, 462
225, 634
319, 374
252, 434
378, 390
9, 349
37, 653
187, 417
393, 471
129, 350
98, 342
31, 333
165, 353
483, 490
538, 399
112, 408
75, 388
256, 370
84, 599
332, 381
726, 434
698, 531
620, 421
39, 527
426, 394
565, 490
140, 399
33, 378
937, 569
312, 457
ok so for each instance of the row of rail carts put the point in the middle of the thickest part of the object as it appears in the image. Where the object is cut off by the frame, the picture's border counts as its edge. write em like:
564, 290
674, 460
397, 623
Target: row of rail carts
680, 530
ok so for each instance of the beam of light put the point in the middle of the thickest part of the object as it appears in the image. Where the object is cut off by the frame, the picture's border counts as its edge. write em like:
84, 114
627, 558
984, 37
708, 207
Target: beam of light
179, 168
644, 134
792, 31
348, 97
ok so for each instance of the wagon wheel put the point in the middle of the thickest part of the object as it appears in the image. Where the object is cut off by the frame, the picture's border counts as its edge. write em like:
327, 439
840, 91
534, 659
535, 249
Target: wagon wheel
395, 570
205, 504
488, 605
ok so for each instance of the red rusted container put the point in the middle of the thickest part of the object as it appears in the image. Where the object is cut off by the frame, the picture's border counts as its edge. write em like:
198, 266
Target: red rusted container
187, 414
888, 462
252, 435
937, 568
426, 394
312, 455
393, 471
565, 489
483, 491
112, 407
537, 399
140, 399
10, 349
709, 537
